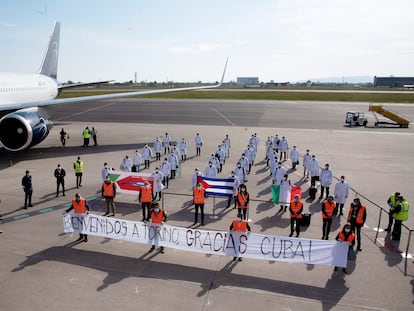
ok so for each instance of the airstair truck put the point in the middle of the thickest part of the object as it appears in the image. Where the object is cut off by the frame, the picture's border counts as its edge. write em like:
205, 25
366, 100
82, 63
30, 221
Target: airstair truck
397, 119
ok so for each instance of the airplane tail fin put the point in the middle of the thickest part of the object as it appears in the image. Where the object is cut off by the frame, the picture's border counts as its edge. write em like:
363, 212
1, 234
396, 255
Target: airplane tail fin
50, 60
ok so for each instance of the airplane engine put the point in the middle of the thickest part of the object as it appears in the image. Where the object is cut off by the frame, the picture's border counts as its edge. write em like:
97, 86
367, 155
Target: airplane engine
24, 128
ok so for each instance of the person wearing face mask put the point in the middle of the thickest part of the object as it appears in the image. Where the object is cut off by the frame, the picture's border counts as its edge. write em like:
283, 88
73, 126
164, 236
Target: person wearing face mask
236, 184
306, 161
294, 157
108, 191
198, 141
199, 199
284, 193
295, 209
158, 186
283, 148
346, 236
239, 224
357, 217
146, 155
278, 174
157, 216
157, 146
78, 167
210, 170
243, 201
314, 170
328, 207
241, 173
136, 162
174, 163
194, 177
80, 206
105, 171
126, 164
325, 179
60, 174
165, 169
145, 198
244, 162
341, 192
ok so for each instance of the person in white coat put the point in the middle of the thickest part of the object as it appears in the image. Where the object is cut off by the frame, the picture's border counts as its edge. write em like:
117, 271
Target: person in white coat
136, 161
196, 174
284, 193
198, 141
325, 179
236, 185
227, 143
165, 169
174, 163
157, 186
105, 171
276, 141
146, 155
221, 157
278, 174
241, 173
306, 160
157, 146
294, 157
210, 170
166, 140
183, 149
341, 191
126, 164
249, 153
313, 169
244, 161
283, 148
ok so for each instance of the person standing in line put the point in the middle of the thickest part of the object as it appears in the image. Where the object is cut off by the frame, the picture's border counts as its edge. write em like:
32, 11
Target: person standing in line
210, 170
174, 163
28, 189
284, 196
283, 148
126, 164
269, 152
108, 192
278, 174
306, 161
325, 180
400, 214
166, 142
63, 137
294, 157
157, 146
357, 217
328, 207
198, 141
346, 235
78, 167
60, 174
243, 201
105, 171
295, 209
146, 155
244, 161
86, 134
241, 173
136, 162
183, 149
194, 177
249, 153
227, 144
165, 169
80, 206
145, 198
157, 216
239, 225
221, 157
94, 137
199, 199
392, 203
158, 186
276, 141
236, 184
341, 192
314, 170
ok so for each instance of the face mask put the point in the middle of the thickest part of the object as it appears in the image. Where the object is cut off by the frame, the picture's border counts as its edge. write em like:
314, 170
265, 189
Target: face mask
156, 171
78, 200
232, 175
156, 210
198, 187
239, 219
210, 164
106, 166
347, 230
342, 180
243, 189
239, 166
107, 180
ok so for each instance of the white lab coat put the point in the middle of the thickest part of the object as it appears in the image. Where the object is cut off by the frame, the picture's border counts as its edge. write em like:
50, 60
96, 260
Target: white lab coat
325, 177
158, 186
313, 167
210, 171
283, 145
278, 175
165, 168
173, 160
126, 164
146, 153
157, 146
284, 192
294, 155
241, 173
183, 147
137, 159
236, 184
194, 179
341, 191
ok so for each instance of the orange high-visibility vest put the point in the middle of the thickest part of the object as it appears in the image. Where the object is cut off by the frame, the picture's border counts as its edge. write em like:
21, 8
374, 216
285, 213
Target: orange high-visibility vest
199, 195
79, 208
296, 208
350, 237
359, 217
108, 189
157, 218
329, 209
146, 194
242, 199
239, 226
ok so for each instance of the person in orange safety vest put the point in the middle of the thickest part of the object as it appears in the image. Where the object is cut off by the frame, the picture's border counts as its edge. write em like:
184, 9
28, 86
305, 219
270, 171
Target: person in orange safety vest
80, 206
145, 197
243, 201
199, 198
346, 235
109, 192
356, 217
296, 209
239, 224
328, 209
157, 216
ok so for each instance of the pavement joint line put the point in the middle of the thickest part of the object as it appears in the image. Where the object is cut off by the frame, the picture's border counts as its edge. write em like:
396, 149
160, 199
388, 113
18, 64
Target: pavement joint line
21, 216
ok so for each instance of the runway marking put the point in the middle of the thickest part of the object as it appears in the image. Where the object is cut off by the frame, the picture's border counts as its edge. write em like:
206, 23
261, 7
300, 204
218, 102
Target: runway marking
84, 111
224, 117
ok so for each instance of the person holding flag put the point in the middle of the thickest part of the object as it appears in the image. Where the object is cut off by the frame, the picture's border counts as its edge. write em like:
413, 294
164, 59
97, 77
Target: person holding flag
243, 201
239, 225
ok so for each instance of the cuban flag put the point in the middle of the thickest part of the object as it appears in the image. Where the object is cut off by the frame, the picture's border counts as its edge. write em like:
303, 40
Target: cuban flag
219, 187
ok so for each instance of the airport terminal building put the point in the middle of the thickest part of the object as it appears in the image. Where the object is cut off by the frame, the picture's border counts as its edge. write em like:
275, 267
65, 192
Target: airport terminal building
393, 81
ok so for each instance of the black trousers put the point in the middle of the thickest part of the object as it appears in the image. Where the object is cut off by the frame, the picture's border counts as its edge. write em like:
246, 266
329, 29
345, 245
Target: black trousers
60, 181
326, 228
294, 221
357, 229
145, 210
78, 179
201, 207
28, 197
243, 211
396, 231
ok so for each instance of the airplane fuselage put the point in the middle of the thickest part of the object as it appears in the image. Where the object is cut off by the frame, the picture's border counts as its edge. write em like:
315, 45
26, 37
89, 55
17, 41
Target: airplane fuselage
20, 88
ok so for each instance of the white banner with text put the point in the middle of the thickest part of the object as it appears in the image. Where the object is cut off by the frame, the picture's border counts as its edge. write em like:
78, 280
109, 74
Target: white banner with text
225, 243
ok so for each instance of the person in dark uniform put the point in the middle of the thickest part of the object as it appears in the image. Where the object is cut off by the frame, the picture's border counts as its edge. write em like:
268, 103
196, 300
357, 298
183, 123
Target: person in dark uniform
28, 189
60, 174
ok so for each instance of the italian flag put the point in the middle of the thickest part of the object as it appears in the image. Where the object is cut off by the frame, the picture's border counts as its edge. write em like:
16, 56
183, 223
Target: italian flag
277, 196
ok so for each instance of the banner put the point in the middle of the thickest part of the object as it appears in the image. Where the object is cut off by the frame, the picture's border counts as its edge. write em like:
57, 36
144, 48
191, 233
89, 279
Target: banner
225, 243
220, 187
128, 182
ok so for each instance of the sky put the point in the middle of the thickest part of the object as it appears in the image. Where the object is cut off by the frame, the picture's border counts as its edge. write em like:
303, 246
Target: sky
189, 40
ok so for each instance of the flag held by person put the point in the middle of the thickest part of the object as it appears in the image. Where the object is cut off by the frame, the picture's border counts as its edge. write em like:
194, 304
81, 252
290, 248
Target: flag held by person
220, 187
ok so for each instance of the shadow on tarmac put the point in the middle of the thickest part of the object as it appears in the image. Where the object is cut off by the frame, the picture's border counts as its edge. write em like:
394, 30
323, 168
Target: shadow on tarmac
143, 267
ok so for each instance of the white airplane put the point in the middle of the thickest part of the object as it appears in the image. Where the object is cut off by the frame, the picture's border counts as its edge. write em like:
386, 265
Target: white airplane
24, 121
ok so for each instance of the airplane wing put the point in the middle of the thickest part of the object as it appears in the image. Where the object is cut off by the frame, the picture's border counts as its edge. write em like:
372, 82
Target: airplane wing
68, 86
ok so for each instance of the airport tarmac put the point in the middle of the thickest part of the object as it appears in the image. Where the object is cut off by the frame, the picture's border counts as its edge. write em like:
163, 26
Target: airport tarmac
41, 269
